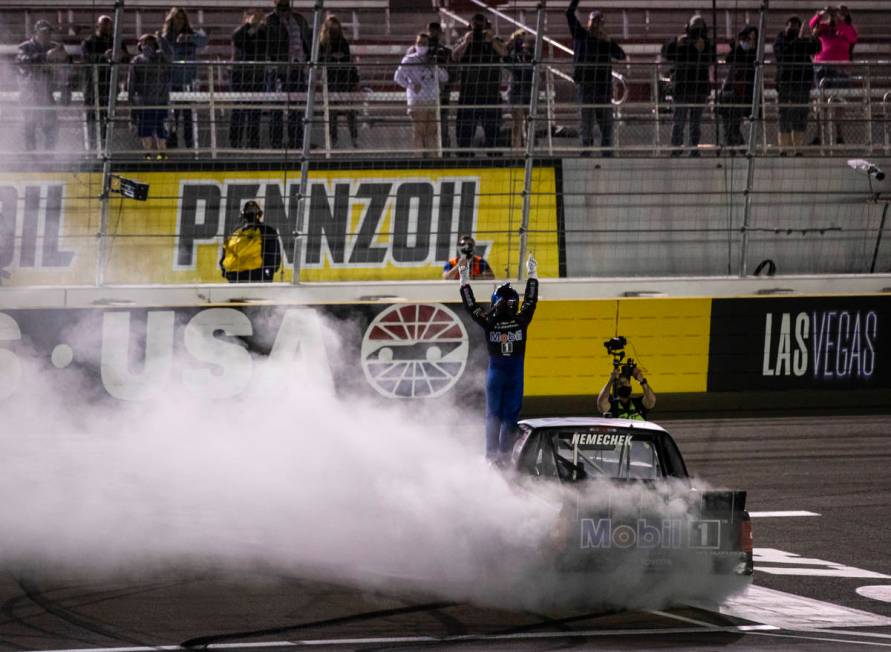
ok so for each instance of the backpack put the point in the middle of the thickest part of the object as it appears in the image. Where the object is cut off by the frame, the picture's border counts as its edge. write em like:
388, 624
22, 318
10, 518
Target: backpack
243, 250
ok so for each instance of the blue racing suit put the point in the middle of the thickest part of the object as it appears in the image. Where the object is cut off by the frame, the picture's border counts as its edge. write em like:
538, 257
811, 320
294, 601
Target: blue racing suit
506, 341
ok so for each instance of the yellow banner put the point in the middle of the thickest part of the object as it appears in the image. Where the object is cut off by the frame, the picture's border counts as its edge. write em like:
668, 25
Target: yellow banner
357, 225
667, 338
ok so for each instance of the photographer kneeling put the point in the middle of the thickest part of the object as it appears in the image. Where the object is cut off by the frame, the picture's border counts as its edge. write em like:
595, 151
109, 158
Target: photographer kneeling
620, 404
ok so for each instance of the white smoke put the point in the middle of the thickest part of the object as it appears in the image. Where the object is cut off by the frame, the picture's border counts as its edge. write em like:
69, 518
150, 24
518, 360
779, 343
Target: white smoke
392, 495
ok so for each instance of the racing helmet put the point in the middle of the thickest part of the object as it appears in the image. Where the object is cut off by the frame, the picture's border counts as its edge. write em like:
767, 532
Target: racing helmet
505, 300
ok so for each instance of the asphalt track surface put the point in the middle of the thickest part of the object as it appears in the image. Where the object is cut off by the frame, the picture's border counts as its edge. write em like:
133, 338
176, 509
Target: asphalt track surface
832, 471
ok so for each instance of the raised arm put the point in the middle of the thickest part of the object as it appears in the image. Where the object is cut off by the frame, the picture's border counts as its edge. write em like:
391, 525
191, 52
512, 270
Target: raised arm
575, 27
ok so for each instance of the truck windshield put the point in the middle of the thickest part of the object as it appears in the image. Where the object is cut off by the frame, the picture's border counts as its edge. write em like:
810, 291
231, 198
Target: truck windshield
574, 454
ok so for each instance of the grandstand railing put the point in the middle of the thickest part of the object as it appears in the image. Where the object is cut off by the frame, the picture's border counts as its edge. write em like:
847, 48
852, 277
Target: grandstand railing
856, 106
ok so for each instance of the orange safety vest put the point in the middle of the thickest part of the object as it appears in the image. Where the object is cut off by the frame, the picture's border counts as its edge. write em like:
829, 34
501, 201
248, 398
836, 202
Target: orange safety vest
475, 269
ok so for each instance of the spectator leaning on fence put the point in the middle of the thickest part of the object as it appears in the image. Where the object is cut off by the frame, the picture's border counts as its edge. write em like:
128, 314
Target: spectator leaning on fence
520, 53
288, 42
36, 59
479, 52
96, 51
422, 78
181, 44
690, 55
341, 75
248, 52
735, 97
793, 49
149, 94
592, 56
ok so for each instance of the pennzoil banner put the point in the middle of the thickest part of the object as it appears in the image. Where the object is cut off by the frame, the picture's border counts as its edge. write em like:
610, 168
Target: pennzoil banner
371, 224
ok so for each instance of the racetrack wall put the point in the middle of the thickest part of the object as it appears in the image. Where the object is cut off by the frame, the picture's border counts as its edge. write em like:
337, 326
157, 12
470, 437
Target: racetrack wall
653, 217
699, 353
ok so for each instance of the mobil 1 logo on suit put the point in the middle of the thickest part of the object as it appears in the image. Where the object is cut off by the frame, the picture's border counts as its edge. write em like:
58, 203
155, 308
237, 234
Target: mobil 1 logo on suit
819, 342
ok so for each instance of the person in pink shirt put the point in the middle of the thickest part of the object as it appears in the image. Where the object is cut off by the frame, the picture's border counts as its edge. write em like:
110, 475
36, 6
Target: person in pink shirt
837, 35
833, 27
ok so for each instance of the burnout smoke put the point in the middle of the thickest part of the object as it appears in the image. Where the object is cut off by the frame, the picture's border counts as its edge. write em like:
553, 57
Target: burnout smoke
293, 475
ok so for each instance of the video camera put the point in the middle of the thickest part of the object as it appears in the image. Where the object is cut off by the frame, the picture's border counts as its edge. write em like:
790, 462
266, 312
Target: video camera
616, 348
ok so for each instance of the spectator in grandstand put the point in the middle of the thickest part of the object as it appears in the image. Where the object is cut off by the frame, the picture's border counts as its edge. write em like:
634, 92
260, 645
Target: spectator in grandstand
149, 95
288, 41
248, 48
793, 49
181, 43
37, 80
615, 397
690, 55
837, 34
592, 56
479, 52
251, 253
96, 50
520, 53
442, 55
735, 97
478, 266
422, 79
341, 76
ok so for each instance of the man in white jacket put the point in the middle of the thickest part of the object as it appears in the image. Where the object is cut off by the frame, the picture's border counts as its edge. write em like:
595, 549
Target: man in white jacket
421, 78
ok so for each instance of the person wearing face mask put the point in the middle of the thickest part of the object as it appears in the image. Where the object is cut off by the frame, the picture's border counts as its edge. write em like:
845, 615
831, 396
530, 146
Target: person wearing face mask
793, 49
288, 43
148, 88
442, 55
341, 76
96, 51
479, 266
421, 78
521, 51
691, 55
735, 97
480, 52
37, 80
251, 253
505, 325
181, 44
615, 398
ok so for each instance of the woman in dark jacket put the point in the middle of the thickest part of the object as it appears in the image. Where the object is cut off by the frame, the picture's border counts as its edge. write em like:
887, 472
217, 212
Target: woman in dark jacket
690, 55
520, 53
735, 98
181, 43
248, 45
148, 89
793, 50
341, 75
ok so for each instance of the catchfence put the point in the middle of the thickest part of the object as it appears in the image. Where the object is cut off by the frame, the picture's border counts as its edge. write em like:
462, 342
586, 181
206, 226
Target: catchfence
371, 170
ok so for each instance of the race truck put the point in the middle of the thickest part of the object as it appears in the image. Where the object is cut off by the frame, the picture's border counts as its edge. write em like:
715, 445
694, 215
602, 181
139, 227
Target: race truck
624, 493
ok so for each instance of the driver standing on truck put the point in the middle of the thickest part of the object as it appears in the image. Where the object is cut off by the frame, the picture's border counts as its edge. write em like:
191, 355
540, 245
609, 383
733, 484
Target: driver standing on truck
622, 405
505, 324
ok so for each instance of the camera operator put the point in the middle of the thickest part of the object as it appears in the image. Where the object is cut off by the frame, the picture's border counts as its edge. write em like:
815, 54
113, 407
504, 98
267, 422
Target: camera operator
621, 404
479, 266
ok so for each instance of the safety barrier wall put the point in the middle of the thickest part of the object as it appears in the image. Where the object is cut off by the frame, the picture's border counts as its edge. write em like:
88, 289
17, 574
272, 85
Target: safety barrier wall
428, 350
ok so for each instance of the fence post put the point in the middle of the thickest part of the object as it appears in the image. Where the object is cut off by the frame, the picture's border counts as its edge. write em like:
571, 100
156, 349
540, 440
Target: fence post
101, 258
307, 140
754, 125
530, 140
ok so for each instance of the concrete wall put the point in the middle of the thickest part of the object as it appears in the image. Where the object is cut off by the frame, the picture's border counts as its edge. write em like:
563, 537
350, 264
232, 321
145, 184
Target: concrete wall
636, 217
